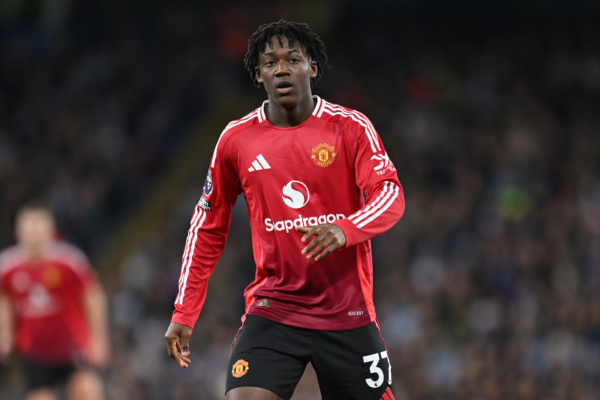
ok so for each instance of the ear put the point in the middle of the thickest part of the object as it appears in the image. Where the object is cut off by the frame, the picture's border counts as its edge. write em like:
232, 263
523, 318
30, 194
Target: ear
258, 77
314, 70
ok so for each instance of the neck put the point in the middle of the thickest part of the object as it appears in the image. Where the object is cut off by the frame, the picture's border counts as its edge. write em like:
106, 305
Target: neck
282, 117
34, 252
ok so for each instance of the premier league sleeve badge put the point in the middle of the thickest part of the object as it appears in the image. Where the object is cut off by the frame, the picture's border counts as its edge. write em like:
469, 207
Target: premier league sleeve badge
208, 185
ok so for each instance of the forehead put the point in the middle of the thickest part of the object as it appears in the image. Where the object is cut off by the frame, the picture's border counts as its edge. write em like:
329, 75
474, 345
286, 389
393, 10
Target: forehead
34, 215
281, 42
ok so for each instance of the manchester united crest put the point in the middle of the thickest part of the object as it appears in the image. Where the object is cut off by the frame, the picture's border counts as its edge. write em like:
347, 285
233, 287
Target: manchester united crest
323, 155
51, 276
240, 368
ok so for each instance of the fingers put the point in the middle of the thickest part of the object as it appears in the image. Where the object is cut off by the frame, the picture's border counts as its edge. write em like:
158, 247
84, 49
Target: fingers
5, 348
175, 354
318, 239
182, 355
302, 229
330, 249
185, 345
323, 241
323, 245
309, 231
179, 352
327, 238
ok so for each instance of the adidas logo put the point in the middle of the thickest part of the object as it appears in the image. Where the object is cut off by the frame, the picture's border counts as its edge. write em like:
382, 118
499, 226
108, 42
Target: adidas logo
259, 163
388, 395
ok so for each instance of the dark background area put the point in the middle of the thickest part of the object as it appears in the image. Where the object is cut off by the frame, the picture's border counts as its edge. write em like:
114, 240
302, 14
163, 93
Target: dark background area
486, 289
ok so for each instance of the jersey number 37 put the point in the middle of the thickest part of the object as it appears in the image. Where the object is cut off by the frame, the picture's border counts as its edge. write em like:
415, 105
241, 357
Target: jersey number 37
374, 369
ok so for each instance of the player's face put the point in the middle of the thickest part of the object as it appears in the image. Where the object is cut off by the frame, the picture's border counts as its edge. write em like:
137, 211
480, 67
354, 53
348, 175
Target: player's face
35, 228
286, 71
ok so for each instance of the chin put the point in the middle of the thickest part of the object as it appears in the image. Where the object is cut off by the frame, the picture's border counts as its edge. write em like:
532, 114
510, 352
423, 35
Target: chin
289, 101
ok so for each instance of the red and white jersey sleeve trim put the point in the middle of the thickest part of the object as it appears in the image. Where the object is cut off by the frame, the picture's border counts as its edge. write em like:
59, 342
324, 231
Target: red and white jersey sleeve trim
380, 205
190, 247
375, 176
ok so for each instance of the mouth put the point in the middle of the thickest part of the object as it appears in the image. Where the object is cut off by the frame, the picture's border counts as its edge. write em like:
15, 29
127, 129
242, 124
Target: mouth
284, 87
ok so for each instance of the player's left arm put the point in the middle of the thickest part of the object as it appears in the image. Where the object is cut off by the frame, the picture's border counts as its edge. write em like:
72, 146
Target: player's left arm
94, 304
376, 176
96, 311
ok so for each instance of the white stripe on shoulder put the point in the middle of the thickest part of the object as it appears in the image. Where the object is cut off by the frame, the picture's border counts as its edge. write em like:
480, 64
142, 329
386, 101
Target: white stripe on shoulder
317, 106
331, 110
63, 251
323, 104
261, 111
369, 126
232, 124
10, 258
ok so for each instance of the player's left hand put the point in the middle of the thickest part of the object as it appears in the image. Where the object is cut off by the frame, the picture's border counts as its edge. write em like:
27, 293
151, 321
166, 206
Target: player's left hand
327, 238
98, 353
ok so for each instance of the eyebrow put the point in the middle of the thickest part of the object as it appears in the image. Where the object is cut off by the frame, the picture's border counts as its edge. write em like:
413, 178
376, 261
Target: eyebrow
270, 53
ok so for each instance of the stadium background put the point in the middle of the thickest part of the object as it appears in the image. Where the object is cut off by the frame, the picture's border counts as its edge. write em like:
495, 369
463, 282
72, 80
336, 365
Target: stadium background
488, 288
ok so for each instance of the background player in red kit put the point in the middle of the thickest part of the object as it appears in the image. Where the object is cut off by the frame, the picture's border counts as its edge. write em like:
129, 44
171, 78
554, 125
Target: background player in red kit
52, 311
303, 165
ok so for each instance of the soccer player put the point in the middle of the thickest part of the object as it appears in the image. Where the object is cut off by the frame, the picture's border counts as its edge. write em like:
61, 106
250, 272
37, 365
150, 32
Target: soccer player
303, 165
52, 311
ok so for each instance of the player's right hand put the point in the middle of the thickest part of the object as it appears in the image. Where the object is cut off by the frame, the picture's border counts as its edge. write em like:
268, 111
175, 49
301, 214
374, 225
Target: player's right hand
5, 347
179, 351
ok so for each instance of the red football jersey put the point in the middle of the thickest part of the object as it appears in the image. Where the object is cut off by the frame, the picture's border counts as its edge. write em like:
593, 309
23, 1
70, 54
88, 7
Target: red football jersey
47, 297
309, 174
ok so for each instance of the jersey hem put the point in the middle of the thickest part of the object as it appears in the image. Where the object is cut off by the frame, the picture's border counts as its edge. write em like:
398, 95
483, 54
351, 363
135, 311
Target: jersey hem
318, 326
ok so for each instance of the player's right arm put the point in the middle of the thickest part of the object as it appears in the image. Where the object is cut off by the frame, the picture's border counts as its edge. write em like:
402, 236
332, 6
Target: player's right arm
205, 241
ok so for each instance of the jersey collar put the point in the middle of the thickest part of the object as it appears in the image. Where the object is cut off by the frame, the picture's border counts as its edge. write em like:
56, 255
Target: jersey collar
317, 112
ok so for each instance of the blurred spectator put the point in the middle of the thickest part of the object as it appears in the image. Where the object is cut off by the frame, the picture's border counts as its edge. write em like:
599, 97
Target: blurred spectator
53, 312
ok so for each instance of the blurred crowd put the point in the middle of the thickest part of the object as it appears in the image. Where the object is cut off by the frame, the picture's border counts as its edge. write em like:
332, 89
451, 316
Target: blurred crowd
88, 114
489, 286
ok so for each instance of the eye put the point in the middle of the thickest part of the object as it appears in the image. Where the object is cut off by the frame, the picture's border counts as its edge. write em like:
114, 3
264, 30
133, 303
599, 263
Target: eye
270, 63
294, 60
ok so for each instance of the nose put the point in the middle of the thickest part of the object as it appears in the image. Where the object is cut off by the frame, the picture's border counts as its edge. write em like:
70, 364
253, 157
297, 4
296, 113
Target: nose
281, 68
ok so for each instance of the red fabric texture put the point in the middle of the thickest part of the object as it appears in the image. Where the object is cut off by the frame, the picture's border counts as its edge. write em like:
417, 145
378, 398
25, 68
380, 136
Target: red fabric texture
47, 296
313, 173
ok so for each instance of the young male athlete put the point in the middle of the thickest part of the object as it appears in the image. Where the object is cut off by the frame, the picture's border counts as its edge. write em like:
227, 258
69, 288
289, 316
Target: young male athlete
52, 311
303, 165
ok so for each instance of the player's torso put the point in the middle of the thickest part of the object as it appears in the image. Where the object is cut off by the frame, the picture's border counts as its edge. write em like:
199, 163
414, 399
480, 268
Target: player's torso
41, 288
47, 299
303, 174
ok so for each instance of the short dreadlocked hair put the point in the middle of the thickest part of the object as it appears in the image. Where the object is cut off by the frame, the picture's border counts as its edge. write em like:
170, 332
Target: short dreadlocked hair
294, 32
